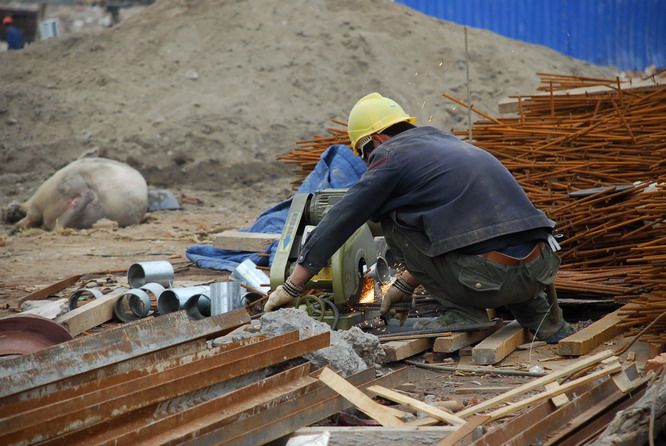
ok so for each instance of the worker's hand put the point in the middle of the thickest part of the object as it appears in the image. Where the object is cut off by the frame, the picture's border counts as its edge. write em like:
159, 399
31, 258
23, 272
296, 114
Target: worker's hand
286, 294
399, 291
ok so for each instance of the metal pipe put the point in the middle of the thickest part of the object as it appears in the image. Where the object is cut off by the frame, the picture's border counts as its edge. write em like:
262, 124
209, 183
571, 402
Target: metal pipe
248, 274
250, 297
159, 271
224, 297
140, 303
174, 299
74, 297
198, 306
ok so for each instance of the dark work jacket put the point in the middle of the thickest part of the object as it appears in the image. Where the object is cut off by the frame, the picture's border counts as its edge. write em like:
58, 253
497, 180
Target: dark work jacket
14, 38
442, 193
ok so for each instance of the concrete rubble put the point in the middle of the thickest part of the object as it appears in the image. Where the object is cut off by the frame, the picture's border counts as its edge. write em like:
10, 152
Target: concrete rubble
350, 351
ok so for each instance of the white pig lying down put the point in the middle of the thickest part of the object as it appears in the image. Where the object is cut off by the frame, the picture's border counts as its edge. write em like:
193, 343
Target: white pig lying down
82, 193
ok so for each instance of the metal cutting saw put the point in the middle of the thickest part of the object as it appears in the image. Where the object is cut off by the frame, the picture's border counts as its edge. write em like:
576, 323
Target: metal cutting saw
339, 285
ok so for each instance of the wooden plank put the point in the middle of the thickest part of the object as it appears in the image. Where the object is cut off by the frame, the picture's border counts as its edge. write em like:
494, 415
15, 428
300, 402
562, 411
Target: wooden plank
537, 383
498, 345
593, 335
459, 340
51, 289
559, 400
463, 431
91, 314
244, 241
413, 403
359, 399
505, 411
424, 421
398, 350
543, 420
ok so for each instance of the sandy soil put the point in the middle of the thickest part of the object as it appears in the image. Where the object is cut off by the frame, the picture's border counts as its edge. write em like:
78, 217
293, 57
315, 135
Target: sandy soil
205, 94
35, 258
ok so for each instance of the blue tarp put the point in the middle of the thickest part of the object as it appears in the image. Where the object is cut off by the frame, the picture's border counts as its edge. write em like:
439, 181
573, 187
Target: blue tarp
338, 168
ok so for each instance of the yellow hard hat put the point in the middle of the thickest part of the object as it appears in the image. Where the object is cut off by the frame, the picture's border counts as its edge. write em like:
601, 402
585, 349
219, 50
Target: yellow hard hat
372, 114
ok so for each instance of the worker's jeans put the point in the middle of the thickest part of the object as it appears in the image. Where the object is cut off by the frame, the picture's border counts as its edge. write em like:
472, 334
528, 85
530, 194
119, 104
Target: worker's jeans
466, 285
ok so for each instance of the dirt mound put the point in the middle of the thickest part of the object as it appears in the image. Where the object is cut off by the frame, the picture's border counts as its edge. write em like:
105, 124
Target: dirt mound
206, 93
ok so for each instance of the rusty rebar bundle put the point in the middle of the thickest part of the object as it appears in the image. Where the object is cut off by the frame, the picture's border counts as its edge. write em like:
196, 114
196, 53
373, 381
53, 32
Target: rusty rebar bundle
307, 152
595, 162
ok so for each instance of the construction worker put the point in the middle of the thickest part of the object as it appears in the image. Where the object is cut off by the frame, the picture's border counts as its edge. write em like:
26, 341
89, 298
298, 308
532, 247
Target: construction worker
13, 36
452, 214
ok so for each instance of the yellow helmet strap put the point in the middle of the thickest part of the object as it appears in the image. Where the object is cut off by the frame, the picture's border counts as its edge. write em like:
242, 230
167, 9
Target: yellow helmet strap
362, 142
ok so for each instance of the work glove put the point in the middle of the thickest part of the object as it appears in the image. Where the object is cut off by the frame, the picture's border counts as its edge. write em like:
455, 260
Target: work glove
286, 294
399, 291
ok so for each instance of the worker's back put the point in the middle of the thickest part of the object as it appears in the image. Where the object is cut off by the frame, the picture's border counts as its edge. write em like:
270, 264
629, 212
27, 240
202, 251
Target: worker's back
14, 38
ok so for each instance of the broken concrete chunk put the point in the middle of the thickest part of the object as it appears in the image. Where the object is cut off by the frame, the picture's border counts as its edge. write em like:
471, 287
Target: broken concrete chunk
367, 346
340, 355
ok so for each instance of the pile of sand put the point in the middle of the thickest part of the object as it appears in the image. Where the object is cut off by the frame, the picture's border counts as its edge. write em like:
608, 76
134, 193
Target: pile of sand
206, 93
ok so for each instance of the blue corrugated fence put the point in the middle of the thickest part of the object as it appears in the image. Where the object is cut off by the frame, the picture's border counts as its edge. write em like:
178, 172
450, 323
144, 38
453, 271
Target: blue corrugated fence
628, 34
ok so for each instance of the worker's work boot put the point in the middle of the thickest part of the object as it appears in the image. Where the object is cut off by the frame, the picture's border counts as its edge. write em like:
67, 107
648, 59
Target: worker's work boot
564, 332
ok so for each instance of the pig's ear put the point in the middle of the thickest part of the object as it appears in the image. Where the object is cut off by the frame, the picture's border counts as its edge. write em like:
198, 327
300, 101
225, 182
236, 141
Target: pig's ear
13, 213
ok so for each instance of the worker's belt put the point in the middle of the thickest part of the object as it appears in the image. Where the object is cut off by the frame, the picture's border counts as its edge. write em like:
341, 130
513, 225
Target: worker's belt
504, 259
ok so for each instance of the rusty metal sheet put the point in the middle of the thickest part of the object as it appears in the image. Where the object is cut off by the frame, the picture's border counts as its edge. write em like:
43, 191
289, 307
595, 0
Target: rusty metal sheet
138, 342
76, 413
86, 344
114, 373
275, 419
113, 388
248, 407
149, 423
28, 333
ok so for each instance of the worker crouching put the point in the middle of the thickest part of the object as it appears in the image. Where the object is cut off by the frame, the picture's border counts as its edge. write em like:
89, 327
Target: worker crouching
452, 214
